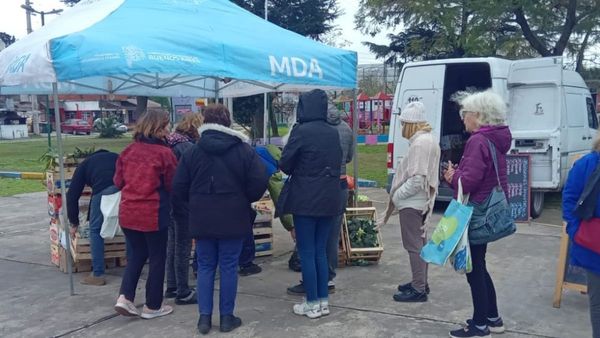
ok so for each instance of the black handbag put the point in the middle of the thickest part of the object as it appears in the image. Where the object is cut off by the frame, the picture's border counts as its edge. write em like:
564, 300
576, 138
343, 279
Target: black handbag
491, 220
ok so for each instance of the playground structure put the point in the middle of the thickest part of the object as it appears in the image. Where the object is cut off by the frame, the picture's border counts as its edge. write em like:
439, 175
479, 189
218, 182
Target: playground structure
373, 115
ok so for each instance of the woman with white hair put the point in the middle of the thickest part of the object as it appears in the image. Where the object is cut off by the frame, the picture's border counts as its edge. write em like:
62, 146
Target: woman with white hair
413, 192
483, 115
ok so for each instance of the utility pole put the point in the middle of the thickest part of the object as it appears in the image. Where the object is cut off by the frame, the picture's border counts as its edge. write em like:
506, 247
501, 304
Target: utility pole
34, 103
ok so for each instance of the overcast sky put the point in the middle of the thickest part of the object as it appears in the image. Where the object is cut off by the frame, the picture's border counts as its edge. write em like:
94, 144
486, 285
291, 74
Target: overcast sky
12, 21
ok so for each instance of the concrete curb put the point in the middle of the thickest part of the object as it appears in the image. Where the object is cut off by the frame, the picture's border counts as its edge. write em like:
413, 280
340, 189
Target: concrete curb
22, 175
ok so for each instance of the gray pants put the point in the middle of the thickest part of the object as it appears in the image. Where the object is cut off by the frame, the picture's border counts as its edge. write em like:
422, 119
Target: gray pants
411, 222
179, 247
594, 293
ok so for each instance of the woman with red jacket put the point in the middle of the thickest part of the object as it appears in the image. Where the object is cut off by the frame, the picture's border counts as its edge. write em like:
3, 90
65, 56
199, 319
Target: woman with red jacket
144, 173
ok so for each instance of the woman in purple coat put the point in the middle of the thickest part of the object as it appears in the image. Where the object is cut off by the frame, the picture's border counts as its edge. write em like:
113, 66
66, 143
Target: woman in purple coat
483, 115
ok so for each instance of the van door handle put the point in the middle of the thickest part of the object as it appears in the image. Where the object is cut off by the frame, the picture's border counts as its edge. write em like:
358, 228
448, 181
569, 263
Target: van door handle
584, 138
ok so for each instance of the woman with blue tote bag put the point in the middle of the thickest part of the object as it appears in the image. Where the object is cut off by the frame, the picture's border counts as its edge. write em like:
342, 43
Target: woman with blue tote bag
482, 171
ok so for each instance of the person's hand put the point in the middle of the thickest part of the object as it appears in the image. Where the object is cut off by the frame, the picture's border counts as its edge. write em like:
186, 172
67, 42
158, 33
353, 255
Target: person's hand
73, 230
293, 234
449, 173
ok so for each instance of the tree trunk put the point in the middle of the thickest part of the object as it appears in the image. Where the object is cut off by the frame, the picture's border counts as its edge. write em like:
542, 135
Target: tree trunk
570, 22
581, 52
141, 106
528, 34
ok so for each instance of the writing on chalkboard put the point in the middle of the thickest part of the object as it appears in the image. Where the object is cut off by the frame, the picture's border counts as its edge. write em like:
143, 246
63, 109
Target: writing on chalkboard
519, 190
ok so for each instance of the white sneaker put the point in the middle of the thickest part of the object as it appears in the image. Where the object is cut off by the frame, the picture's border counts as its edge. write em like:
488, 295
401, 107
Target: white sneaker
311, 311
151, 314
125, 307
324, 307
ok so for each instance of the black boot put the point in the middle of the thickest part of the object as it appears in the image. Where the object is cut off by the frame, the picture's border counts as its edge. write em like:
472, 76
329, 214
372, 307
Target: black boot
204, 324
407, 286
411, 296
230, 323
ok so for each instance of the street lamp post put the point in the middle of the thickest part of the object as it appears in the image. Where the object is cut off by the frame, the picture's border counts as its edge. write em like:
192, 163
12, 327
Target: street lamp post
266, 95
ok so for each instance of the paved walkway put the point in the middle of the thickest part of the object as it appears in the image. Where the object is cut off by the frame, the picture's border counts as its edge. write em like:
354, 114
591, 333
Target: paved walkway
36, 301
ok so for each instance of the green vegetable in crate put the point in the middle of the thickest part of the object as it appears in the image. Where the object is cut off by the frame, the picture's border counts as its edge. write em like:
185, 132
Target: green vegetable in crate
363, 198
362, 233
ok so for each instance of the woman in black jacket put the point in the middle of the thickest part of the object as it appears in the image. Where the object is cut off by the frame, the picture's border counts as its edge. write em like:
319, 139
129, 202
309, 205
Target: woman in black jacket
219, 178
312, 157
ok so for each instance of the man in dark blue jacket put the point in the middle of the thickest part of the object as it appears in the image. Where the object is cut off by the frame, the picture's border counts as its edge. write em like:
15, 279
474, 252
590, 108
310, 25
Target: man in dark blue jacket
96, 171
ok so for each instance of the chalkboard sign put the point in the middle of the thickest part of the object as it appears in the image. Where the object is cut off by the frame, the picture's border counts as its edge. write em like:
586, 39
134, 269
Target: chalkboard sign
519, 190
573, 274
567, 276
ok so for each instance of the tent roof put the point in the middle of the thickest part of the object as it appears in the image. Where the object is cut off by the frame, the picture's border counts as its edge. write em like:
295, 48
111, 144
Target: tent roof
363, 97
171, 48
382, 96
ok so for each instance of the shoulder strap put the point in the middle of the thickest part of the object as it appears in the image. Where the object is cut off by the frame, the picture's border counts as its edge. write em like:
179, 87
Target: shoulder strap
495, 160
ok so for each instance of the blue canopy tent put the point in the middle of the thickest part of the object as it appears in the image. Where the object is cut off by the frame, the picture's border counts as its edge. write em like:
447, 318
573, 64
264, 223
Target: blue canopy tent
209, 48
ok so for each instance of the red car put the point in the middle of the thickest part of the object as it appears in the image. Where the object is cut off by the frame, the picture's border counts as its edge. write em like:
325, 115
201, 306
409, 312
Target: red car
75, 126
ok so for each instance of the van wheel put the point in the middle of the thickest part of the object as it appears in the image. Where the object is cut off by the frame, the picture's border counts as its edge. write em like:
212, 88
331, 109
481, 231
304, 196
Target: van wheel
537, 203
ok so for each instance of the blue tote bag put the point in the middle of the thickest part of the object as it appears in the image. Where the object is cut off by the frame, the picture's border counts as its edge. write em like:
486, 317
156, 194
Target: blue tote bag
449, 231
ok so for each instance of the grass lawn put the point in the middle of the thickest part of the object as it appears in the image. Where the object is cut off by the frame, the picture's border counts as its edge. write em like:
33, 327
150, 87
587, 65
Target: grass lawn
23, 156
11, 186
372, 162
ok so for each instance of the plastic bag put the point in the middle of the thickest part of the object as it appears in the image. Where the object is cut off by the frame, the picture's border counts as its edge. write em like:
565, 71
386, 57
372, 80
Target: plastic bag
109, 206
461, 257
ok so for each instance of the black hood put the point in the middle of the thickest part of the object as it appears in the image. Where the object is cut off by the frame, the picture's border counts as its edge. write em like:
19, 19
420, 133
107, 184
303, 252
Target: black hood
217, 139
312, 106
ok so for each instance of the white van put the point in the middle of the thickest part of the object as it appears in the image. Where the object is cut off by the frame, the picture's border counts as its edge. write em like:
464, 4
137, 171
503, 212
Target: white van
551, 113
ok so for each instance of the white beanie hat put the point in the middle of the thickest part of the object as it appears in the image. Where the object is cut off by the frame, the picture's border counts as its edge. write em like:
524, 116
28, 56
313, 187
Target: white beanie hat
414, 112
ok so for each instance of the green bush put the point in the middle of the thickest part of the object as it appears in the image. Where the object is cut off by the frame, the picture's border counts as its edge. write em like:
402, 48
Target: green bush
107, 127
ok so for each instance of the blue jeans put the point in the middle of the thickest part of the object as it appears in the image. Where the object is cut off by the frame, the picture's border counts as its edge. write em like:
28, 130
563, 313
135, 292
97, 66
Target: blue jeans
312, 234
248, 251
226, 254
97, 242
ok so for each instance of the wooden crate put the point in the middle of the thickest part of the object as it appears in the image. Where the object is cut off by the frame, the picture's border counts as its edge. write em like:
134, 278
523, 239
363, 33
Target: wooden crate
263, 239
372, 255
85, 265
113, 248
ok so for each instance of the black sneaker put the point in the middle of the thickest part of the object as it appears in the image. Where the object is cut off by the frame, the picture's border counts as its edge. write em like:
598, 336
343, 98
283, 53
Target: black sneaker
298, 290
496, 326
411, 296
405, 287
470, 331
230, 323
191, 298
171, 293
250, 269
204, 324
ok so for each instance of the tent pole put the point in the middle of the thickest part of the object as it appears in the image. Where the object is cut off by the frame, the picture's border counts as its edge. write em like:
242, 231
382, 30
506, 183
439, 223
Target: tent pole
265, 118
354, 145
61, 166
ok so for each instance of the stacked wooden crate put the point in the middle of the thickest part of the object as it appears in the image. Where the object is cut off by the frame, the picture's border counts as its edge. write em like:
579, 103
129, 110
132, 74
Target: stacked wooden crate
263, 226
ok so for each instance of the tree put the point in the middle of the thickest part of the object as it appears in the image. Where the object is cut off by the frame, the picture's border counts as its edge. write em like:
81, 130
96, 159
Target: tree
70, 2
7, 39
311, 18
548, 25
434, 29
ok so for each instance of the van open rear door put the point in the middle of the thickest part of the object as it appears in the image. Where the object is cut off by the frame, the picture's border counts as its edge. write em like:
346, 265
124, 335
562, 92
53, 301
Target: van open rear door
423, 83
535, 106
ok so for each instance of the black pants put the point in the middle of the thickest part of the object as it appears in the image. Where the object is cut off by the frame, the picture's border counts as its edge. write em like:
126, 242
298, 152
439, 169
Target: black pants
482, 287
151, 246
